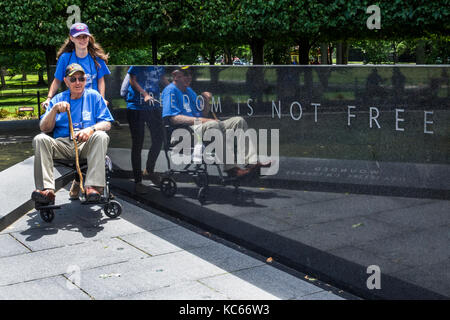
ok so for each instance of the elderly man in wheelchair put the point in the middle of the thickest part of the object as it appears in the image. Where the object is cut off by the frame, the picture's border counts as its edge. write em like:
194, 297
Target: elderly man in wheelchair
91, 119
180, 110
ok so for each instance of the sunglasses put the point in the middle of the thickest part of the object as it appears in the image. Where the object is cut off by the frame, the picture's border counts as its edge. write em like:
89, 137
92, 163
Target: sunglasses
80, 79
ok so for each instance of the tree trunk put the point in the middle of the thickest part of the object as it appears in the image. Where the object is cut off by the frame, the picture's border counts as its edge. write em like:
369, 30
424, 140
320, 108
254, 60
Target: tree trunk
339, 53
24, 75
227, 58
2, 76
303, 51
394, 52
50, 59
257, 47
41, 81
330, 56
155, 51
420, 52
212, 57
324, 53
345, 49
342, 52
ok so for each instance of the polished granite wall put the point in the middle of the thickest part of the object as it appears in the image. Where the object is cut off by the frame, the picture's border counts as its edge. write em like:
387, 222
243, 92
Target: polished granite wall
355, 124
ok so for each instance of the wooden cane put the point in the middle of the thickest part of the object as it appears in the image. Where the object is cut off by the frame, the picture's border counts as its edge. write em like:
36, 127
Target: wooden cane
77, 162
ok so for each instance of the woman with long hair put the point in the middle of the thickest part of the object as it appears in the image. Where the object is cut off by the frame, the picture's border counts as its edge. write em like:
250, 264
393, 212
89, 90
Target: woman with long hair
80, 47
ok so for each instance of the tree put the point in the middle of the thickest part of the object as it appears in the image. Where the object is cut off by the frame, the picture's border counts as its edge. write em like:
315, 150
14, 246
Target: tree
208, 25
212, 24
125, 56
260, 21
23, 62
133, 24
375, 51
34, 25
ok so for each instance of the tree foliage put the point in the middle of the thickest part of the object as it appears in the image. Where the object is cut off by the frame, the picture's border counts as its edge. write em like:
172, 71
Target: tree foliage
214, 27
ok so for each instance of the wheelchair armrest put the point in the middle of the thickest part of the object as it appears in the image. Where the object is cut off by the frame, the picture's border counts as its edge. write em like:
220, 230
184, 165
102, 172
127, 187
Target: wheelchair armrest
69, 162
168, 129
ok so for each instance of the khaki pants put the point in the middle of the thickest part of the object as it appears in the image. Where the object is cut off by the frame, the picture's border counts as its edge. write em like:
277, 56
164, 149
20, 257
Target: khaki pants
46, 149
233, 123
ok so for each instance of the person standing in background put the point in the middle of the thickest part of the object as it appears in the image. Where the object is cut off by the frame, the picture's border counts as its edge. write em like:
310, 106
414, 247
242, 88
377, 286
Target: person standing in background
144, 108
82, 49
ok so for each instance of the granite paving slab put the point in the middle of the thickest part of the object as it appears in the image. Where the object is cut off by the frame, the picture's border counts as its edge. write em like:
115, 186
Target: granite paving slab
165, 241
16, 186
264, 282
52, 262
188, 290
76, 223
52, 288
9, 246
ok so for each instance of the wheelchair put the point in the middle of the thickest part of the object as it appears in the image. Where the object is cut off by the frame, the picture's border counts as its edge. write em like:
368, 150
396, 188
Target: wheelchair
198, 171
112, 208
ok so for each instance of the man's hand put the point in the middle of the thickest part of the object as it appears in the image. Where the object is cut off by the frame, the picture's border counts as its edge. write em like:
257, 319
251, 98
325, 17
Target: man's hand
62, 106
44, 105
207, 96
203, 120
84, 135
149, 99
207, 107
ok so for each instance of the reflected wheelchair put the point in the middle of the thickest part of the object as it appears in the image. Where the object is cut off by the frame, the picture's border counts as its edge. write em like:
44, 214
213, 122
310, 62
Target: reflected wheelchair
198, 171
111, 208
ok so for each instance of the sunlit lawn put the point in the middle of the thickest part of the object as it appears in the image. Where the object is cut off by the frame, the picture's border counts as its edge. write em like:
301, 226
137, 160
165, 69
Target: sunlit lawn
18, 93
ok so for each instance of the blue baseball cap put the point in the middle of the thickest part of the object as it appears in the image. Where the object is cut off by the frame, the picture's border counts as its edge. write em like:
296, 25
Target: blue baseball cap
78, 29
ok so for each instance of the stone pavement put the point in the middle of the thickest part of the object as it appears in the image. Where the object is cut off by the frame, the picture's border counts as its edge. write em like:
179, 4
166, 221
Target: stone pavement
84, 255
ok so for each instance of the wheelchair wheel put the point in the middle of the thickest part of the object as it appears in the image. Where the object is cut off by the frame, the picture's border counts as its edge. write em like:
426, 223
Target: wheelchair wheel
113, 209
202, 193
47, 215
168, 187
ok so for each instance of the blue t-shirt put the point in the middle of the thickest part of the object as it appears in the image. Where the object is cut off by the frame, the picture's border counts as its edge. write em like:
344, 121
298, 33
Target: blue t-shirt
148, 77
93, 73
85, 111
175, 102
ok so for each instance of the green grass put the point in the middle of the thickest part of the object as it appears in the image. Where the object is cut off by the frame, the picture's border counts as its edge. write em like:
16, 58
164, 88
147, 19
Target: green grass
119, 103
18, 93
339, 76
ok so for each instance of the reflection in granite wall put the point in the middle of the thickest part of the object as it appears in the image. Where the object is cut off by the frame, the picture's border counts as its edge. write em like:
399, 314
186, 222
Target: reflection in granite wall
382, 113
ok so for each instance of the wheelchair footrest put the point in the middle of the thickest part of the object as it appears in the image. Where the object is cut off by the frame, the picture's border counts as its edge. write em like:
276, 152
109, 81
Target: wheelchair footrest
43, 206
84, 201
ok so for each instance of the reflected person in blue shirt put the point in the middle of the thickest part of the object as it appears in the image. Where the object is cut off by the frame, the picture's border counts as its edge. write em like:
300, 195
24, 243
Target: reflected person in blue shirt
182, 106
144, 109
